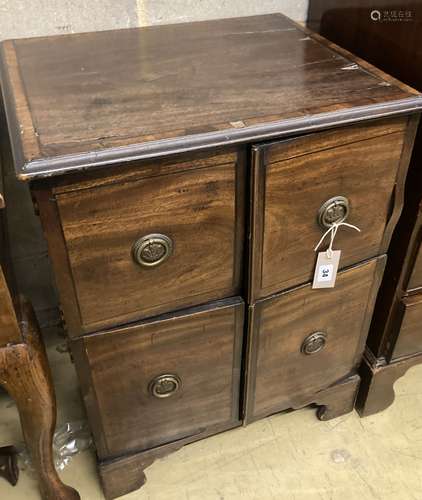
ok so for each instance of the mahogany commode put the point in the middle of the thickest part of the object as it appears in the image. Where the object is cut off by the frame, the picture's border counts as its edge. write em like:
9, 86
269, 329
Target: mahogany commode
183, 175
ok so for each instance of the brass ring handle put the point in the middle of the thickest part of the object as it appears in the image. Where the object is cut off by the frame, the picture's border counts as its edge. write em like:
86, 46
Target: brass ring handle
334, 210
314, 343
152, 250
164, 386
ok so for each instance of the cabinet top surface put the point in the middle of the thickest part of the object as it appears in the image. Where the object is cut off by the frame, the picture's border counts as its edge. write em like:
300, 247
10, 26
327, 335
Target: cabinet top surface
83, 100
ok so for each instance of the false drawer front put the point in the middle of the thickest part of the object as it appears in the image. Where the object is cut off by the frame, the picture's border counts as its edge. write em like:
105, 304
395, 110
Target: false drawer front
164, 379
152, 240
409, 339
301, 186
304, 340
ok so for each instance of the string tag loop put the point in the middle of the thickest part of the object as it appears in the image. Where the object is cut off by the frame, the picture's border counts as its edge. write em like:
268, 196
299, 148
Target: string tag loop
328, 261
333, 230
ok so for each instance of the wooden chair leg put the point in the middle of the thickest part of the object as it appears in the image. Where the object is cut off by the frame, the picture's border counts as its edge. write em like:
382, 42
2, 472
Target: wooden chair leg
9, 469
25, 374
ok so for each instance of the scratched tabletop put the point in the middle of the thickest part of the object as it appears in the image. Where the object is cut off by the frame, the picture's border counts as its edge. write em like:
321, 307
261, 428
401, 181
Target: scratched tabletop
180, 87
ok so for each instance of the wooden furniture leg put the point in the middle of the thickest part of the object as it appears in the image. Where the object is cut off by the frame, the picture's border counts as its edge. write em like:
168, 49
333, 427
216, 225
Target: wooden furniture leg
124, 474
9, 464
377, 389
334, 401
338, 399
25, 374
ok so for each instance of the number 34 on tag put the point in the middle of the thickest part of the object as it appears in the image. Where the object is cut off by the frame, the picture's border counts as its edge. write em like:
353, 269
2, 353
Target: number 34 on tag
326, 269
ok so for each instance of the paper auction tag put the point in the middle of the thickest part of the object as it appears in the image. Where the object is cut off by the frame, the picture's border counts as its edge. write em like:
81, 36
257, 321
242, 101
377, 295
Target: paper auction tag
326, 269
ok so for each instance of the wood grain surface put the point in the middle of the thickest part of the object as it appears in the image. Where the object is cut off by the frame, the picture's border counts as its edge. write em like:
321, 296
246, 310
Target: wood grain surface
291, 181
202, 346
402, 263
280, 375
377, 387
25, 375
9, 330
91, 226
395, 47
156, 90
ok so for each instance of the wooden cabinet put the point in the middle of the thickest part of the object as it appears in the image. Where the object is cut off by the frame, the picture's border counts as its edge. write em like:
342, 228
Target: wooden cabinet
395, 338
184, 175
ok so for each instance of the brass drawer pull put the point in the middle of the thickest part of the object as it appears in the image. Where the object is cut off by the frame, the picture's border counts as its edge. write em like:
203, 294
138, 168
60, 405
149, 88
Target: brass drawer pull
314, 343
152, 250
333, 210
164, 386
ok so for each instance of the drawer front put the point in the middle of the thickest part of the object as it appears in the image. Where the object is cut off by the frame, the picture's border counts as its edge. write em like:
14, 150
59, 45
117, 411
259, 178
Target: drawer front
304, 340
293, 184
415, 281
409, 339
164, 379
143, 247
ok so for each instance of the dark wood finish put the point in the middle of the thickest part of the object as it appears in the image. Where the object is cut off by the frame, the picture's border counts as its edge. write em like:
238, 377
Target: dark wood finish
127, 473
394, 46
174, 115
53, 233
123, 475
405, 244
409, 340
280, 374
9, 468
415, 280
142, 99
198, 204
202, 346
337, 400
366, 164
377, 388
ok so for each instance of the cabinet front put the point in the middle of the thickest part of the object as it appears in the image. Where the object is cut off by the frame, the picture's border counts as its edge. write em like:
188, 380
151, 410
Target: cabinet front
138, 247
163, 380
304, 340
301, 186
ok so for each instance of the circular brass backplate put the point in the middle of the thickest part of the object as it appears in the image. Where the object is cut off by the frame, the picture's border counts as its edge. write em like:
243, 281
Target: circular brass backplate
152, 250
164, 386
314, 343
333, 210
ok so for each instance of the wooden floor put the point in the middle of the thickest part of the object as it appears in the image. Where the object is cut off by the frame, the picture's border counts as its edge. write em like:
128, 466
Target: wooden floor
291, 456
